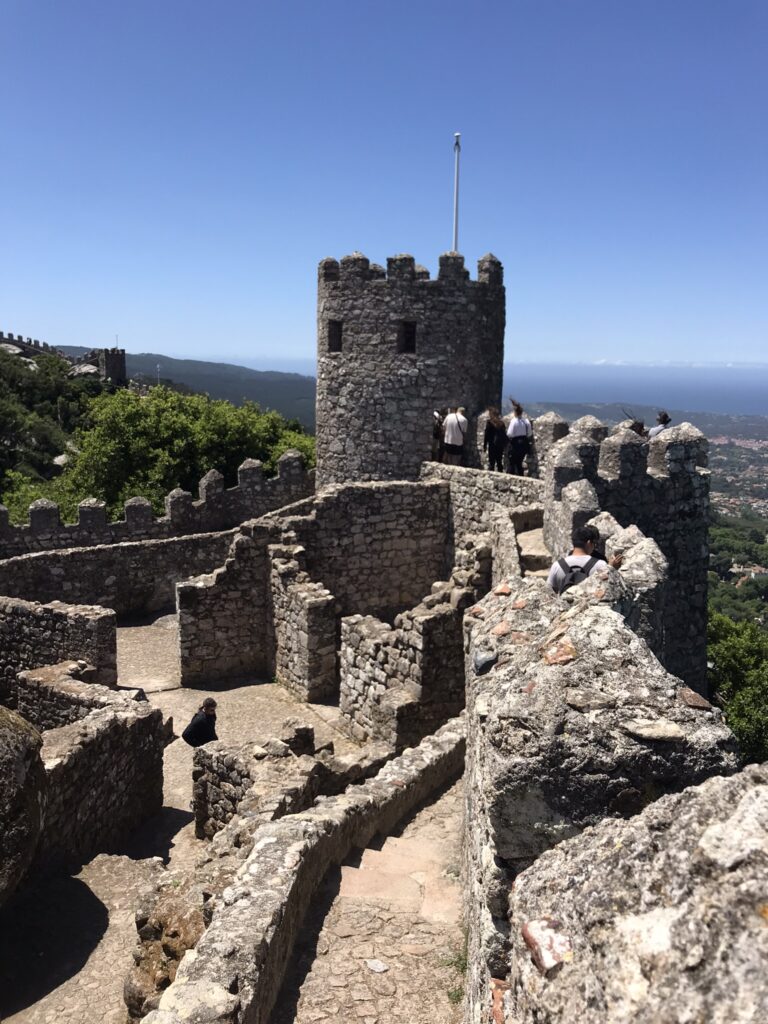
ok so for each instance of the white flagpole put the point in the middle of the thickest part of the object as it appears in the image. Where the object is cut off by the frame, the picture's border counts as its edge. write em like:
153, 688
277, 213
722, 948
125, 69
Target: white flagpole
457, 151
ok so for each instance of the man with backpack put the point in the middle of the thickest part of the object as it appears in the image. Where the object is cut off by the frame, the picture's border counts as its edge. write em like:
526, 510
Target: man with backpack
582, 561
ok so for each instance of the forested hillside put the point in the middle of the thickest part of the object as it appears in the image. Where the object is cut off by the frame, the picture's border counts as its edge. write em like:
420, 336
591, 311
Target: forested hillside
121, 443
290, 394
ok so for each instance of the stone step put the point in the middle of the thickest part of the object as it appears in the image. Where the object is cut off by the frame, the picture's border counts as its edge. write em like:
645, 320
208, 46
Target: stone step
534, 554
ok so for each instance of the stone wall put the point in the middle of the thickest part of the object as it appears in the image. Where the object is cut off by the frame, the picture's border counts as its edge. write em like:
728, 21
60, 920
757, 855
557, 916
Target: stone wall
131, 578
217, 508
275, 604
377, 547
238, 964
305, 624
393, 347
32, 635
570, 719
662, 919
475, 493
56, 695
662, 487
104, 771
22, 798
223, 616
400, 683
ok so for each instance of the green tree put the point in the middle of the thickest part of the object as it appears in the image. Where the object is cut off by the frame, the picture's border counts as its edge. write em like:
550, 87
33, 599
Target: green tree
149, 444
738, 656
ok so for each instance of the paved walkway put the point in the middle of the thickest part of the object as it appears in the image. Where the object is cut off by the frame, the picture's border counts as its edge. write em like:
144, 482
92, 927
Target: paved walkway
66, 944
383, 943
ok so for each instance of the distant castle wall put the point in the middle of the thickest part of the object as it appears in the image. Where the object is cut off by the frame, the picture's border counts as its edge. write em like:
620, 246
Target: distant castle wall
218, 508
393, 346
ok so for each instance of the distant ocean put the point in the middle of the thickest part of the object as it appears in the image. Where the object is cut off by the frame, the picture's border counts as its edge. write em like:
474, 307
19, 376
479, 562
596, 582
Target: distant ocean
735, 390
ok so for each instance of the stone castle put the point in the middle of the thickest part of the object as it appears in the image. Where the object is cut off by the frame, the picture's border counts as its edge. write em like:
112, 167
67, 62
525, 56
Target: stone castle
107, 363
604, 802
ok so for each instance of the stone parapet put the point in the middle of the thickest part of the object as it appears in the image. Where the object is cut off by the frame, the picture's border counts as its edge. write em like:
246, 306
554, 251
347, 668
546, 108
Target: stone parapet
570, 719
236, 969
662, 487
33, 635
662, 918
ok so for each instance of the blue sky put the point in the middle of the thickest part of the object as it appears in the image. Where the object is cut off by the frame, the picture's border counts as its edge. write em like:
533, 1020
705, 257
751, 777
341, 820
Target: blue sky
172, 172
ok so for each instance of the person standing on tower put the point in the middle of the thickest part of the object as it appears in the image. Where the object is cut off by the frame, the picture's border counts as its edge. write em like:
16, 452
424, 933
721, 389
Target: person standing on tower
454, 432
519, 433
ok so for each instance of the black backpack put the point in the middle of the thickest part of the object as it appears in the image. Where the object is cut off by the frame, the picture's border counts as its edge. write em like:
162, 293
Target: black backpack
575, 573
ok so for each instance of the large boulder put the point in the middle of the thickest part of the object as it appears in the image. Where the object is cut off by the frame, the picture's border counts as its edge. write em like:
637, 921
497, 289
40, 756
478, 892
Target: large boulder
22, 789
660, 918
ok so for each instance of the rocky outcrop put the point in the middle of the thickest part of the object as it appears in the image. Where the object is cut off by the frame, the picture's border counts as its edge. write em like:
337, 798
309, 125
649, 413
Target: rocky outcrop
570, 719
22, 788
660, 918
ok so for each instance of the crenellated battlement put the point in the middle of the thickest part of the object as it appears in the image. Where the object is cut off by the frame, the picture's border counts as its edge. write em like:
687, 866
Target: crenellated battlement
660, 485
393, 346
216, 508
29, 346
403, 268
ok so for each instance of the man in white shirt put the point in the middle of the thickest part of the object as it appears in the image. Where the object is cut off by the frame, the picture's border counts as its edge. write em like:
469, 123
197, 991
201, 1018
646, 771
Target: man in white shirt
454, 432
582, 561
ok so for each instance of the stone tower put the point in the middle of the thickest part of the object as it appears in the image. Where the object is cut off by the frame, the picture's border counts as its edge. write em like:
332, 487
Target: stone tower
393, 346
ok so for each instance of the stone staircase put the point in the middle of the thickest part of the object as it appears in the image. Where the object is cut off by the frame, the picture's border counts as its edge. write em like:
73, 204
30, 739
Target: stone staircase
535, 557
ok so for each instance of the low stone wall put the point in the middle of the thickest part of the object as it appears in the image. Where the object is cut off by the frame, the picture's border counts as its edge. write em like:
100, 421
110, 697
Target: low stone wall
32, 635
570, 719
474, 492
377, 547
217, 508
399, 684
130, 578
57, 695
235, 971
224, 616
104, 771
305, 619
662, 919
22, 798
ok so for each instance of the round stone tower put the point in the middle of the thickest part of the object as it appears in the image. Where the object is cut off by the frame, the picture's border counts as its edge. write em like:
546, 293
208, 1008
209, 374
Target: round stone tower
394, 346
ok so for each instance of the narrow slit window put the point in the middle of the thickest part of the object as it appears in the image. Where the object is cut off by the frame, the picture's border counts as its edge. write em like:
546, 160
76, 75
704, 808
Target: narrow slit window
406, 339
335, 331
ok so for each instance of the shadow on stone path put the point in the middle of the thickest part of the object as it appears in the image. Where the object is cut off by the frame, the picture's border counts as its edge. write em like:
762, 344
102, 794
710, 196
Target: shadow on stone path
382, 942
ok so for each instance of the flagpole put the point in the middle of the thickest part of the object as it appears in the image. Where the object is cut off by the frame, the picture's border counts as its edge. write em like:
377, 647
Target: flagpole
457, 151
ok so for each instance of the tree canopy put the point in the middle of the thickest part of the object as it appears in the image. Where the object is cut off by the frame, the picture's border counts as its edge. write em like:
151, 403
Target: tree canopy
738, 656
148, 444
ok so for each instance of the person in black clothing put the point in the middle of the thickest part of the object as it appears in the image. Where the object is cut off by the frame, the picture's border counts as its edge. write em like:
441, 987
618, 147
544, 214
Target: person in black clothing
202, 728
495, 439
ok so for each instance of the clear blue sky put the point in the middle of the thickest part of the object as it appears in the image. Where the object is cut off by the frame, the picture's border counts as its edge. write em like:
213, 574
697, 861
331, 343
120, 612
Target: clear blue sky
173, 171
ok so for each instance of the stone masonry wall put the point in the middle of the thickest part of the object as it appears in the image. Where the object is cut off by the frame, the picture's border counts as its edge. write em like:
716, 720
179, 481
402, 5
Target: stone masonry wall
377, 547
394, 346
474, 493
217, 508
32, 635
305, 625
399, 684
662, 487
56, 695
135, 577
104, 771
223, 616
238, 964
570, 719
